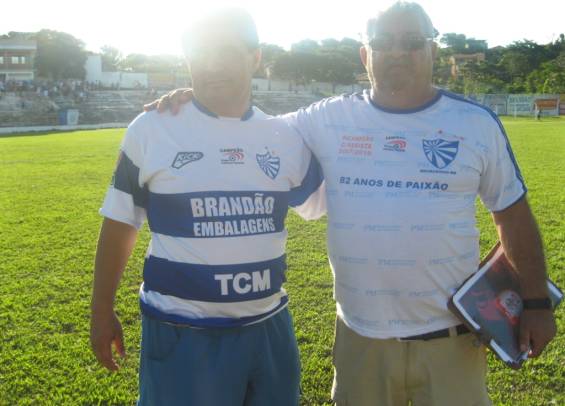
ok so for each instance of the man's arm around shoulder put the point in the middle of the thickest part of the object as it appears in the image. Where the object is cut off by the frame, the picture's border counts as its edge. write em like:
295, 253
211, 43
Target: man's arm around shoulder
115, 245
522, 244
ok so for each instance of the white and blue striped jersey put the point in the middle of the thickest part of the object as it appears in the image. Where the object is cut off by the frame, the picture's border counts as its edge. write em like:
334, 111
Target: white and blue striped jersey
401, 191
215, 192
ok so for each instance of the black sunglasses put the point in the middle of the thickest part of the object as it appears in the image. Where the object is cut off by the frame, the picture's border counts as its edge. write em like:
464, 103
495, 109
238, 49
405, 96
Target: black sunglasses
385, 43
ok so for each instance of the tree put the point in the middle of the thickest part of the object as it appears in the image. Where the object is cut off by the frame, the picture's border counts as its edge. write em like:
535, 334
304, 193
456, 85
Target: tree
152, 63
111, 58
270, 53
460, 44
59, 55
306, 45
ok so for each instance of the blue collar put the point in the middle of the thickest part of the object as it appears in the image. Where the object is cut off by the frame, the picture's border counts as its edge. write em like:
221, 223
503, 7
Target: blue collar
246, 116
404, 111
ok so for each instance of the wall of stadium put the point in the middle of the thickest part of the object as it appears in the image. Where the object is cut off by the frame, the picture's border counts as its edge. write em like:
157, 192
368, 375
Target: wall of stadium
279, 85
521, 104
124, 80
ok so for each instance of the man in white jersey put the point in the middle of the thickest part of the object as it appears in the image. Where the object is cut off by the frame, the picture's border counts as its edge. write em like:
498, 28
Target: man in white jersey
403, 165
214, 182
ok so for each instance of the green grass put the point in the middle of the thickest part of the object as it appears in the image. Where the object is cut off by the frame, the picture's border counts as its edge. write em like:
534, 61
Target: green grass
51, 188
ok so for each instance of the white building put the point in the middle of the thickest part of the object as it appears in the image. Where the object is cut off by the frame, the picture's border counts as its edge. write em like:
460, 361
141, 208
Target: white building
16, 59
125, 80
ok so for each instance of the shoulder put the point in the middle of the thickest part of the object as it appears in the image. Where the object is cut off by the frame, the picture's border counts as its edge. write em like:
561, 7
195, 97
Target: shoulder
337, 103
327, 110
471, 109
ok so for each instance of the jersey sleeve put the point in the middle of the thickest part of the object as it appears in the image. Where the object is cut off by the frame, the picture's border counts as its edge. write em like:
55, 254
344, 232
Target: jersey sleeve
302, 121
126, 198
307, 196
501, 183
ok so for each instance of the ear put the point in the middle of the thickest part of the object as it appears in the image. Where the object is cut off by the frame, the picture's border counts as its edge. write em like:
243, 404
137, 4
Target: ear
257, 55
363, 55
434, 50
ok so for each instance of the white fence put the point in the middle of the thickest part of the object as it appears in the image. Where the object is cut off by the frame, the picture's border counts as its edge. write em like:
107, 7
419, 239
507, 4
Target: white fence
521, 104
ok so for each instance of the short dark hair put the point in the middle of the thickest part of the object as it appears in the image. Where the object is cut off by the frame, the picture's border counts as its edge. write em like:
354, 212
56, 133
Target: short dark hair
234, 21
402, 7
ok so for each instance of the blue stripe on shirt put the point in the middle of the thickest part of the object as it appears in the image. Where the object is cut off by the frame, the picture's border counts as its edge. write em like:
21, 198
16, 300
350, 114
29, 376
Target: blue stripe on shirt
126, 179
209, 322
214, 283
502, 130
311, 182
217, 214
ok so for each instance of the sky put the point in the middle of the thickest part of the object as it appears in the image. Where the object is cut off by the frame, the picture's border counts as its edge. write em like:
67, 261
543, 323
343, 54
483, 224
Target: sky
155, 27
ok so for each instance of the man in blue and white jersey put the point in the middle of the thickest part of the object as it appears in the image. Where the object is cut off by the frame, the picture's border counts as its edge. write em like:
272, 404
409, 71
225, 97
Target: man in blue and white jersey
214, 182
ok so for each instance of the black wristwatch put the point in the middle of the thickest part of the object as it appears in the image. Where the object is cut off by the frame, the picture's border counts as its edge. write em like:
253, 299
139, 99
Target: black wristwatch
537, 304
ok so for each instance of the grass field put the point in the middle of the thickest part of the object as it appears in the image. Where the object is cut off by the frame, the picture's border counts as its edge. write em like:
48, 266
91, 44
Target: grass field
51, 188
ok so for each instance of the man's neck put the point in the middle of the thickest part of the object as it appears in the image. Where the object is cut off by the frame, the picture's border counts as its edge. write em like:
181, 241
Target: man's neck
403, 99
227, 108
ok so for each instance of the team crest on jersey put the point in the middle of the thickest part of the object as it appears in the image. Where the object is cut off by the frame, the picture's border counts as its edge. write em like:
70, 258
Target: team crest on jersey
269, 164
184, 158
440, 153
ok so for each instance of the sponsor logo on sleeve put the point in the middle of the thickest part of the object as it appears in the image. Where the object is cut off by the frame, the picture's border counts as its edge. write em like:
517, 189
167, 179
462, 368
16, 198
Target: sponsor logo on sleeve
184, 158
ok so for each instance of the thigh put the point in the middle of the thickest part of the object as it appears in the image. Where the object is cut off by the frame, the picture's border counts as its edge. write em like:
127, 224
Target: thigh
185, 366
276, 377
367, 371
450, 371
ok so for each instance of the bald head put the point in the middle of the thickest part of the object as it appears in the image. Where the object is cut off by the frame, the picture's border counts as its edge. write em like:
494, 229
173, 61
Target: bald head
402, 8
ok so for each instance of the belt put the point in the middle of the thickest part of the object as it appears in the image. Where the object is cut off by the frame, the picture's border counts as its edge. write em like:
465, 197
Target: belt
446, 332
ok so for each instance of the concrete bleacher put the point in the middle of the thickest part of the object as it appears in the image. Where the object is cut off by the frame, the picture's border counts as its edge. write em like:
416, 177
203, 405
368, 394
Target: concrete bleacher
283, 102
103, 107
30, 109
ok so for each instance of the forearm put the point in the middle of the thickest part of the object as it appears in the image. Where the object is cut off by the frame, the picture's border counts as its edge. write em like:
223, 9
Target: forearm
115, 245
523, 246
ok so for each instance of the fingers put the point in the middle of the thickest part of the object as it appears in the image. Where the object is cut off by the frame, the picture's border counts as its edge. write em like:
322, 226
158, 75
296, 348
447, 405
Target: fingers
103, 351
524, 337
150, 106
104, 332
163, 104
119, 343
186, 96
537, 329
175, 108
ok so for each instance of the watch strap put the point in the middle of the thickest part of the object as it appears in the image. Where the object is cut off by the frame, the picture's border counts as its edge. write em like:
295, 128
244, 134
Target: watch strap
537, 304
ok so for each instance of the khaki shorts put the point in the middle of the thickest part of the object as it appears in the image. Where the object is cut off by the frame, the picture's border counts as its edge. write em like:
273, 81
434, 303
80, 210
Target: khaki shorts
440, 372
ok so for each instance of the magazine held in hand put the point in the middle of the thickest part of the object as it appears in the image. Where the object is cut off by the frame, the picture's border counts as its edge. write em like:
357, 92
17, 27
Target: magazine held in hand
489, 304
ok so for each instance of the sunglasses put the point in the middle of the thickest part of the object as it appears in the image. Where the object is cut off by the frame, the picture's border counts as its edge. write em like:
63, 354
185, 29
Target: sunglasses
385, 43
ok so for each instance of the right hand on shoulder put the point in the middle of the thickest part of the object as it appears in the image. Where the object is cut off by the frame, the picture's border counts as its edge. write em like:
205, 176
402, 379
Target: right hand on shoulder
171, 101
105, 330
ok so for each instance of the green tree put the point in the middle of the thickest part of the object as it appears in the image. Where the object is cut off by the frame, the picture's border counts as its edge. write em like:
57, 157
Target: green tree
270, 53
59, 55
460, 44
111, 58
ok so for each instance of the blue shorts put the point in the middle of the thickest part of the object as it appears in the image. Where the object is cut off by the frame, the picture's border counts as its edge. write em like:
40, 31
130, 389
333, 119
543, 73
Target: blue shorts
255, 365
